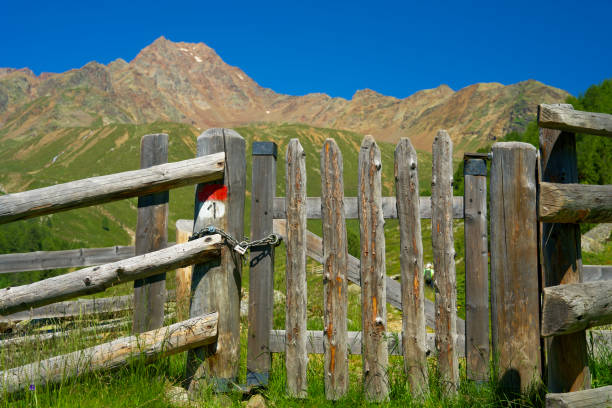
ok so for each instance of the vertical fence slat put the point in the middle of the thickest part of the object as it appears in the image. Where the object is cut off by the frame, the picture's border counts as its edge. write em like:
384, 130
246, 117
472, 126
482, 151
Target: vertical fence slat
515, 300
296, 354
445, 280
261, 267
215, 285
183, 275
373, 287
414, 336
335, 269
151, 235
476, 270
567, 362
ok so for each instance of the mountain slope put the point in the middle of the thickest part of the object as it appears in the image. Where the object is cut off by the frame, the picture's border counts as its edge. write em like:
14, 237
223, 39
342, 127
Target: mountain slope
190, 83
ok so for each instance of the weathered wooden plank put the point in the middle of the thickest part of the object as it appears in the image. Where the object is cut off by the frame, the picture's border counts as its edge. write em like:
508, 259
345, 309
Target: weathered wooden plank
561, 259
103, 189
150, 345
572, 203
151, 235
296, 356
445, 280
575, 306
373, 273
476, 270
595, 398
314, 342
99, 278
411, 265
314, 249
565, 118
184, 229
594, 273
335, 255
75, 308
71, 258
514, 266
261, 268
215, 285
389, 206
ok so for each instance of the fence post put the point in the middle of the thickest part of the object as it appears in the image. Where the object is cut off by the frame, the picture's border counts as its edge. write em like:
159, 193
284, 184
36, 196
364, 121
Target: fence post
476, 270
261, 268
445, 280
373, 276
151, 235
567, 365
515, 301
296, 354
215, 286
184, 229
335, 261
414, 340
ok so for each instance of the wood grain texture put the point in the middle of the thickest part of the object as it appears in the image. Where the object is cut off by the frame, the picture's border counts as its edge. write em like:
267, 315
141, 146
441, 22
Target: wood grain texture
445, 280
99, 278
561, 262
314, 249
151, 235
261, 271
215, 285
411, 264
314, 343
148, 346
573, 203
514, 266
296, 356
595, 398
389, 206
565, 118
335, 258
575, 307
375, 355
476, 276
103, 189
71, 258
184, 229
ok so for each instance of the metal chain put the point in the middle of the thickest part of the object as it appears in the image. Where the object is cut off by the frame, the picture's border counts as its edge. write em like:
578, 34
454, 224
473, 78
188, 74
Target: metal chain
240, 247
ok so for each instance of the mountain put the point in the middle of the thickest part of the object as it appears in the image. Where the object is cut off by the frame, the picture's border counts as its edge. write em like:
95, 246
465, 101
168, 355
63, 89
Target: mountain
189, 83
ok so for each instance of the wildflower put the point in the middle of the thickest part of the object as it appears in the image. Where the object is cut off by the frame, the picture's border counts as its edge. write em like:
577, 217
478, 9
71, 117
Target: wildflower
32, 387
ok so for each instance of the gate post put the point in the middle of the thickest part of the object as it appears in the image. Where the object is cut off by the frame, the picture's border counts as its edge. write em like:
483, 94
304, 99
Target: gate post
215, 285
515, 300
261, 268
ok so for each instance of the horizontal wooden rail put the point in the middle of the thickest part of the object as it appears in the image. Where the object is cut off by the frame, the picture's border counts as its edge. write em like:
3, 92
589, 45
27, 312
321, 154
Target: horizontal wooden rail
566, 118
576, 306
313, 207
573, 203
596, 398
185, 335
103, 189
76, 308
314, 249
314, 342
594, 273
99, 278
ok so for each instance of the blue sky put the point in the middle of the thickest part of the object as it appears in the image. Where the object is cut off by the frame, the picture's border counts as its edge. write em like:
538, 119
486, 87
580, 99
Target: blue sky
395, 48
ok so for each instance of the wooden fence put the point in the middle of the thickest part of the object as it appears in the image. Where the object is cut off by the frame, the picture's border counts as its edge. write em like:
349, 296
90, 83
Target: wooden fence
534, 254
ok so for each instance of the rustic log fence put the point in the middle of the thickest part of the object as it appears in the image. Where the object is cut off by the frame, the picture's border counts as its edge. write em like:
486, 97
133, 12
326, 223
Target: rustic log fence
145, 264
541, 301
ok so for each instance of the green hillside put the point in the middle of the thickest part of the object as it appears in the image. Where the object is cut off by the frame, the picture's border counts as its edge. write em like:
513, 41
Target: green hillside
70, 154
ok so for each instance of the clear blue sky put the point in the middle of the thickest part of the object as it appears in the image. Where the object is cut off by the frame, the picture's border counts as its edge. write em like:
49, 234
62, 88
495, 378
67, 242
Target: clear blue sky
293, 47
